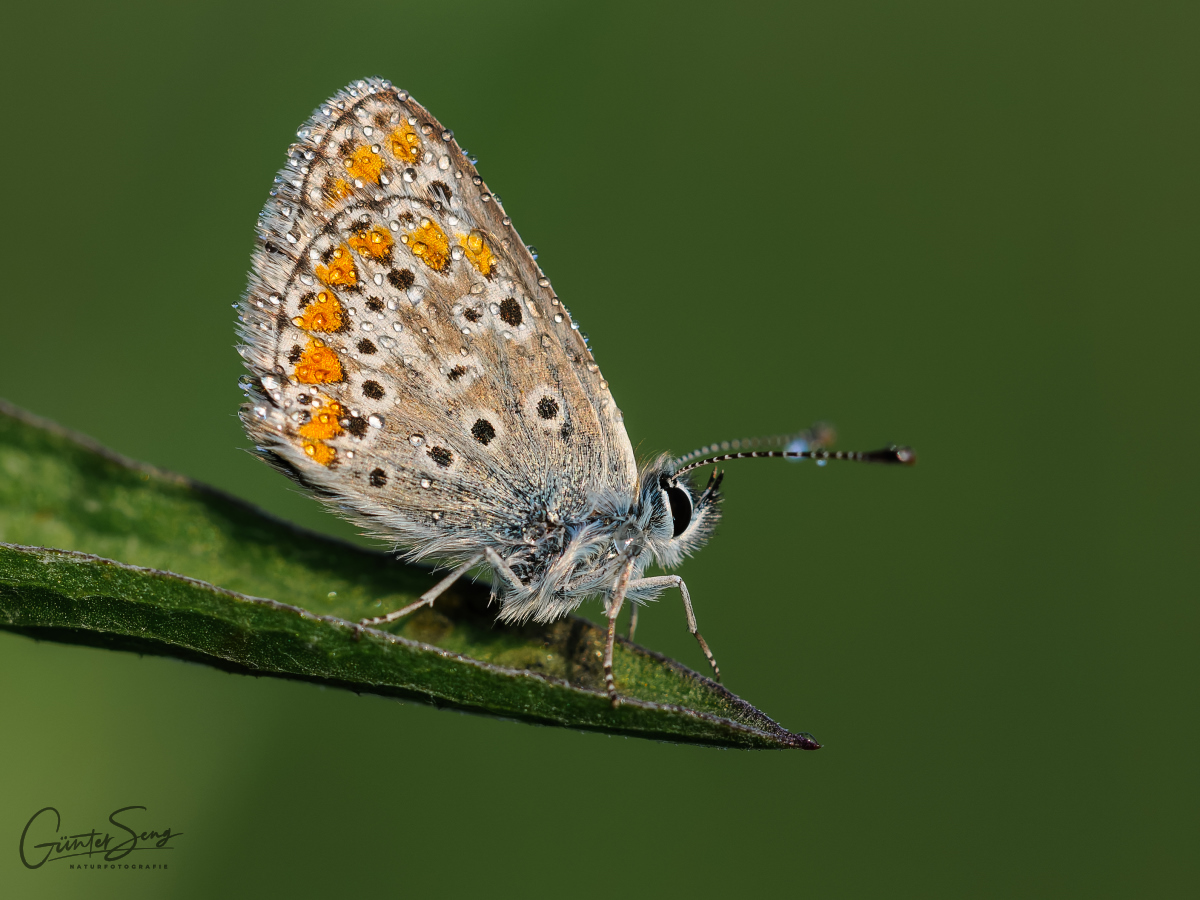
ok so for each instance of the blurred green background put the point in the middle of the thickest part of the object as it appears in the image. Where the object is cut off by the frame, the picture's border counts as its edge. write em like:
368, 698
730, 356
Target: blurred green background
968, 227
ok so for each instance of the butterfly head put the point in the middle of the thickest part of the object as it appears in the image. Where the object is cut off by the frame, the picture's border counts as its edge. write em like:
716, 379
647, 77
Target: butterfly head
681, 514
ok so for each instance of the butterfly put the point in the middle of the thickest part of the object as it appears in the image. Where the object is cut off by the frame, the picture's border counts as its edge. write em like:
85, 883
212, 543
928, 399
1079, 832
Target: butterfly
411, 365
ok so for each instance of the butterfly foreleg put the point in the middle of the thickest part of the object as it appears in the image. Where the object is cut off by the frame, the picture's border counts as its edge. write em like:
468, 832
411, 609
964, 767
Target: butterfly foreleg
614, 609
502, 570
666, 581
427, 598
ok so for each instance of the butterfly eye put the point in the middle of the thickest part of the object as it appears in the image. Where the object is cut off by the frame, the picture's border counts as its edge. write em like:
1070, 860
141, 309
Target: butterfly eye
681, 509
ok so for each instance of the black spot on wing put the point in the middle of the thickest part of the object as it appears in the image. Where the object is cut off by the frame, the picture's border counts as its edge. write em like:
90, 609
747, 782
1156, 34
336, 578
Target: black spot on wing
401, 279
510, 311
483, 431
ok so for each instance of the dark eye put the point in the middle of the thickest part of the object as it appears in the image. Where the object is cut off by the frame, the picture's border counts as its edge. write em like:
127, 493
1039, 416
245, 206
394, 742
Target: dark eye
681, 509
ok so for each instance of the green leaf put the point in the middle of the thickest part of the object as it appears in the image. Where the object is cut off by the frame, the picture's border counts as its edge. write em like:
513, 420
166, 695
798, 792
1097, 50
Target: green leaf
58, 489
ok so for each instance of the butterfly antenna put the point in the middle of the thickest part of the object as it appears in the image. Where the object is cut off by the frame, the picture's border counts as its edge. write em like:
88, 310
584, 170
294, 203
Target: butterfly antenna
893, 455
808, 444
816, 437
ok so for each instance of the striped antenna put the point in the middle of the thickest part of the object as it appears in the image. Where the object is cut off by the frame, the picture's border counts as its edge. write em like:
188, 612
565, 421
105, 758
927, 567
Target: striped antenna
903, 456
820, 435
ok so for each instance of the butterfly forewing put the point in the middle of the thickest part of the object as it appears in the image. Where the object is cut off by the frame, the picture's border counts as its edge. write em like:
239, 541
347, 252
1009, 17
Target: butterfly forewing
409, 359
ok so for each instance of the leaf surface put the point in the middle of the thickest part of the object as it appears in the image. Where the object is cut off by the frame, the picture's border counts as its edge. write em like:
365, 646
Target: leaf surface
60, 490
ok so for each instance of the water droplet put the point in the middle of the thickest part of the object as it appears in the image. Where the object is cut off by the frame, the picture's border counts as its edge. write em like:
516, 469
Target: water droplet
507, 335
558, 317
416, 439
415, 294
437, 516
366, 326
425, 482
375, 421
419, 248
532, 250
457, 253
800, 445
546, 342
444, 163
543, 282
447, 134
494, 309
506, 221
396, 326
409, 175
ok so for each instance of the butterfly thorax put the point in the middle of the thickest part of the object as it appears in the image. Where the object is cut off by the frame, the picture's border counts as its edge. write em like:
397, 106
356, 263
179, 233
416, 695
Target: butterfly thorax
563, 563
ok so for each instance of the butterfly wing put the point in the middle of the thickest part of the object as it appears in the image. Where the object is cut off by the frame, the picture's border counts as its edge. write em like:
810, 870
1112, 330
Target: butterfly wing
409, 360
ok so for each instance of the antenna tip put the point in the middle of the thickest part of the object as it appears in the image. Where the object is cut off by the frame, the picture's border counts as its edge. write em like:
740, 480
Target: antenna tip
893, 455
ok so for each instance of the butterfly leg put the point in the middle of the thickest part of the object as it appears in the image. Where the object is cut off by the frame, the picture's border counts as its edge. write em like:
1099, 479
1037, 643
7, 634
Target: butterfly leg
427, 598
502, 570
614, 610
665, 581
633, 613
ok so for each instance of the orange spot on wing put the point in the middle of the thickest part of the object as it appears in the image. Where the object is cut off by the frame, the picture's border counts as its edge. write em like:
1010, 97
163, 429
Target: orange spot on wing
324, 423
324, 313
478, 253
405, 144
340, 270
319, 453
429, 244
318, 364
376, 243
365, 163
